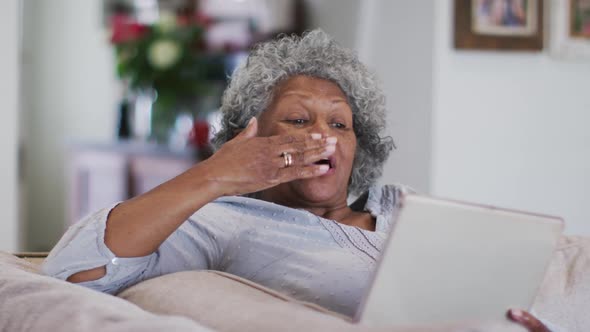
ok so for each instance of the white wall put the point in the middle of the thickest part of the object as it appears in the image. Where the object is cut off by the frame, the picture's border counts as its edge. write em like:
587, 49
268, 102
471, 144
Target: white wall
9, 92
338, 18
401, 54
510, 129
70, 95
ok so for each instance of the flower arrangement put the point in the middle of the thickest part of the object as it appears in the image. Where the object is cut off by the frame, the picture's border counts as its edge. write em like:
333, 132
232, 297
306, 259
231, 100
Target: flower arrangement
169, 58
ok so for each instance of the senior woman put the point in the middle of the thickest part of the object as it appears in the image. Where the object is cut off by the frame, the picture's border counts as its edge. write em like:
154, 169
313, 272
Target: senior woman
302, 129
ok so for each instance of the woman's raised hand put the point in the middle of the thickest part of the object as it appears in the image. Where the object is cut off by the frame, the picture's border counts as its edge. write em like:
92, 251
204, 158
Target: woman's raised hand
249, 163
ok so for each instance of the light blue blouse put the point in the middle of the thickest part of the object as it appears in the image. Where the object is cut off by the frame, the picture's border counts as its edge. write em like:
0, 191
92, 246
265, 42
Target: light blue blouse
289, 250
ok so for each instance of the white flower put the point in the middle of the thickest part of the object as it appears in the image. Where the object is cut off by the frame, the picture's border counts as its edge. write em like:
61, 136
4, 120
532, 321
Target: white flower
166, 22
163, 53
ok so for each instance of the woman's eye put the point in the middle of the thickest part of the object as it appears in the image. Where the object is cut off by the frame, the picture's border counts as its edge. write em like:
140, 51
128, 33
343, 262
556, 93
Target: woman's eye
338, 125
297, 121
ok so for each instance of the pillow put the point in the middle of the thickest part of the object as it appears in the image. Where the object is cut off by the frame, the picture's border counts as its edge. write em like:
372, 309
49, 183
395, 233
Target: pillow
225, 302
7, 259
564, 297
32, 302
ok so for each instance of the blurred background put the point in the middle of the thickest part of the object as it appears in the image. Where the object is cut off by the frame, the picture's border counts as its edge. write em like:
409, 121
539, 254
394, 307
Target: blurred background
104, 99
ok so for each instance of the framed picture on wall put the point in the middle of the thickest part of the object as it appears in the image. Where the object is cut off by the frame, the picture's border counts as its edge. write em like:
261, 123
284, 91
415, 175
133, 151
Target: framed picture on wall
569, 34
499, 24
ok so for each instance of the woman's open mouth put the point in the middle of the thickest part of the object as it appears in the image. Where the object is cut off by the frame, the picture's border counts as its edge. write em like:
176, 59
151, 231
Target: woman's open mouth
327, 161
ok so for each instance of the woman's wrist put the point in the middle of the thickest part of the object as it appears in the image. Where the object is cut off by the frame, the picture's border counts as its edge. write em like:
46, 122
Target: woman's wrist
203, 182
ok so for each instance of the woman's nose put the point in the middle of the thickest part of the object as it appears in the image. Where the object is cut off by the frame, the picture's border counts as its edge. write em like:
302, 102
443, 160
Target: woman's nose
320, 126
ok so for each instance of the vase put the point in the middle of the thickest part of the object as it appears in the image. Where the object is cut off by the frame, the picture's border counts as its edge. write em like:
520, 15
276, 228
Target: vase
154, 117
162, 124
171, 118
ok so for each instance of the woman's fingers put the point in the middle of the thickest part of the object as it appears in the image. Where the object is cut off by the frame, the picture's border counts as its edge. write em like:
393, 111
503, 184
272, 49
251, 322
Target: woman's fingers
299, 143
299, 148
293, 138
308, 151
305, 158
527, 320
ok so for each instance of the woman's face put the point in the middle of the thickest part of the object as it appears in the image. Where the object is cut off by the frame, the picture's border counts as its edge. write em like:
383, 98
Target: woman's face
304, 104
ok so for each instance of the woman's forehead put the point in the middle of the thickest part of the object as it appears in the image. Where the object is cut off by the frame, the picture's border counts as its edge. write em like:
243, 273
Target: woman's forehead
306, 87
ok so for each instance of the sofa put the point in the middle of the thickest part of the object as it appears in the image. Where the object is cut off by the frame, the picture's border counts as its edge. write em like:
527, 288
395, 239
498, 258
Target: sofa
217, 301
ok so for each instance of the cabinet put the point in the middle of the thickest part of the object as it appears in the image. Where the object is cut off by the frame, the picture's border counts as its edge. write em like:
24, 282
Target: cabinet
101, 174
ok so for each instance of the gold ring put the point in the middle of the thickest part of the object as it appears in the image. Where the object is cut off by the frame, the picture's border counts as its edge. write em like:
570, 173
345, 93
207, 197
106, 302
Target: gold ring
288, 158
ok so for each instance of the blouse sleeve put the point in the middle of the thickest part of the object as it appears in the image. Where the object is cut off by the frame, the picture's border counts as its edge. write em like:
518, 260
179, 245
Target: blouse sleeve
197, 244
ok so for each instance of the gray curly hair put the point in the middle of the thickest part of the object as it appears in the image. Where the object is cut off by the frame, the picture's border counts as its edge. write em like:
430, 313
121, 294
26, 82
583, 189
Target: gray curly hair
314, 54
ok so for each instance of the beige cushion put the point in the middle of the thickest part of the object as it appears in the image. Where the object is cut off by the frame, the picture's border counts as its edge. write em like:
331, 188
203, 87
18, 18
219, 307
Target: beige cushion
7, 259
564, 297
34, 257
226, 302
32, 302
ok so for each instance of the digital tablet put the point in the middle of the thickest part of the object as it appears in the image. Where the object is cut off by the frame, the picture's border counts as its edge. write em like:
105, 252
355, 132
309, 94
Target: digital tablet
449, 261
